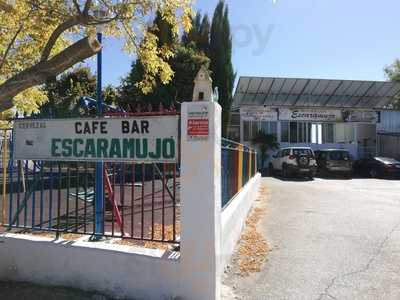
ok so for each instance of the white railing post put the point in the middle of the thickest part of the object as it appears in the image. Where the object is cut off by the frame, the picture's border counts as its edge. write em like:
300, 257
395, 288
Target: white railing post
201, 200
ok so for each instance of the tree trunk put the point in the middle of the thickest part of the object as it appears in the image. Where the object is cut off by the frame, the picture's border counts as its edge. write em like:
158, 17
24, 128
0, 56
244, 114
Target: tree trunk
38, 73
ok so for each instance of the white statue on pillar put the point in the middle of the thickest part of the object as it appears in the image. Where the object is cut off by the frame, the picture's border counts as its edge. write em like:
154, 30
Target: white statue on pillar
203, 86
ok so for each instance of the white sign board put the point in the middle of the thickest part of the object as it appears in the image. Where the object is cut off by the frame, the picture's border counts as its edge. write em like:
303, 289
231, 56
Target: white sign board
139, 139
316, 115
258, 113
367, 116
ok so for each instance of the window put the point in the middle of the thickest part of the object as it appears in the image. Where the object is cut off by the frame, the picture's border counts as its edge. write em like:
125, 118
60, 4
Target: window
328, 134
339, 155
250, 129
246, 131
273, 128
293, 132
254, 128
304, 132
264, 126
307, 152
201, 96
235, 119
323, 133
285, 152
269, 127
284, 132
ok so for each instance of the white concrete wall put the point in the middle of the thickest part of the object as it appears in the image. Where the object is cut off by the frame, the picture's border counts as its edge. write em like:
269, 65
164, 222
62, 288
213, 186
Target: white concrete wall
234, 217
344, 133
201, 206
119, 271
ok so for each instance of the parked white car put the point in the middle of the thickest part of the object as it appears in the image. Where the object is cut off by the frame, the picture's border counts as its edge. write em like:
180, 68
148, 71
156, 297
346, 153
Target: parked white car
294, 161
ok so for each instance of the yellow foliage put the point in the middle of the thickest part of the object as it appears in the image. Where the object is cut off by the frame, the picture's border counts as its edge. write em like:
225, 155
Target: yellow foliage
30, 100
26, 29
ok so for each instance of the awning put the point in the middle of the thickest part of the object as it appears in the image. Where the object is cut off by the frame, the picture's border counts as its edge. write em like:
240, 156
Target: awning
323, 93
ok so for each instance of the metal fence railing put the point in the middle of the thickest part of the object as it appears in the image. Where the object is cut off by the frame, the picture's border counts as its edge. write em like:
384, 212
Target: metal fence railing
239, 165
5, 146
141, 200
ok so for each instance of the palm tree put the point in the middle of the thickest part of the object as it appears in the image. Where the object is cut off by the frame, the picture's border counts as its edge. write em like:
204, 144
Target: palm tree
265, 142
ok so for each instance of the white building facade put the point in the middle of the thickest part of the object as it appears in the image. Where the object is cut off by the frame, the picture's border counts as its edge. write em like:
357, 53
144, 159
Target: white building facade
317, 113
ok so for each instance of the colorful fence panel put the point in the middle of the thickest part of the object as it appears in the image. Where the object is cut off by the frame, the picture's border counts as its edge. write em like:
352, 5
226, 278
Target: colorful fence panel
239, 165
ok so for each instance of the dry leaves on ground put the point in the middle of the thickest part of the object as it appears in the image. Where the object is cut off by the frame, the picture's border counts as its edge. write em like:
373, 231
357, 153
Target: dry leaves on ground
253, 248
168, 235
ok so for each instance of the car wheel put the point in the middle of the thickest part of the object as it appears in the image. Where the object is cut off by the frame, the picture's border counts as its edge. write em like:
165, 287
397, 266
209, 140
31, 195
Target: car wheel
271, 169
285, 172
373, 173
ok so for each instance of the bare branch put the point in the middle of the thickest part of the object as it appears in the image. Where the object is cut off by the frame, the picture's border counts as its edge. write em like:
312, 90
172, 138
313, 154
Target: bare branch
3, 60
39, 73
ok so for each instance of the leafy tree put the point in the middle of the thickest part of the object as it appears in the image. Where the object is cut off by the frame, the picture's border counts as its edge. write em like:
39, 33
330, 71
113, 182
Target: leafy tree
130, 93
110, 95
393, 73
41, 39
199, 33
185, 63
65, 92
221, 60
265, 142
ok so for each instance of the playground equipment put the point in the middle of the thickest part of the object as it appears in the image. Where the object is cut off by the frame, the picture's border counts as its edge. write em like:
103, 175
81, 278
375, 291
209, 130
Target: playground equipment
90, 105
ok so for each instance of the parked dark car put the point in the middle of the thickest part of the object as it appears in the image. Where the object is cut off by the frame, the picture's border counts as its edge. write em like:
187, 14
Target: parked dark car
334, 162
378, 167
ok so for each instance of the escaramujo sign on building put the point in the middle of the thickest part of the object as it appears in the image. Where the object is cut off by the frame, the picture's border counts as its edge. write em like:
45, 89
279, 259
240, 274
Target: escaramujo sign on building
140, 139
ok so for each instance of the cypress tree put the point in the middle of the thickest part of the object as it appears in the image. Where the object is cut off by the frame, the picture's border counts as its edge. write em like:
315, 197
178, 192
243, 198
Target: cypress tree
199, 34
221, 60
204, 35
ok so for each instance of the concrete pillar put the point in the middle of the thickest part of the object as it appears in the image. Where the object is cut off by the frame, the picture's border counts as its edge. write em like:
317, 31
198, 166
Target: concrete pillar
201, 202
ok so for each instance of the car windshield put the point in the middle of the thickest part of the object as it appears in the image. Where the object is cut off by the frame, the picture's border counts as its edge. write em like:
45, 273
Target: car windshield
305, 151
339, 155
387, 160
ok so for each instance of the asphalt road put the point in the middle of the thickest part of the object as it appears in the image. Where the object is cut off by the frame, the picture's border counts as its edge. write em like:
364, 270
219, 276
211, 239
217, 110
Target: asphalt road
330, 239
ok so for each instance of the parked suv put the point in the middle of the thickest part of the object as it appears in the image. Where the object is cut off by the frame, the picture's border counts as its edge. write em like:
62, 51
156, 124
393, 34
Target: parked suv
334, 161
294, 161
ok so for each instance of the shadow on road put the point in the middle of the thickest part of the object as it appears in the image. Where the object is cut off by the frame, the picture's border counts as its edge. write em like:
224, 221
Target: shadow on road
291, 179
17, 291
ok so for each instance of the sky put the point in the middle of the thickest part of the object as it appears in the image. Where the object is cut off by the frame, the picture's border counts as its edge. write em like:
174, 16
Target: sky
334, 39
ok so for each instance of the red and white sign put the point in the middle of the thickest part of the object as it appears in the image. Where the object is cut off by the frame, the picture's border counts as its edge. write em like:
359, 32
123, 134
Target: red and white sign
198, 127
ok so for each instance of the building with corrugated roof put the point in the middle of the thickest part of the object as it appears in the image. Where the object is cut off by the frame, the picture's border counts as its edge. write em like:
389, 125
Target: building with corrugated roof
317, 113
